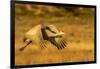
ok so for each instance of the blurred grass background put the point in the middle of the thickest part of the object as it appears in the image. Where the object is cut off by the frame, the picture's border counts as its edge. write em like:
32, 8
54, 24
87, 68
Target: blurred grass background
76, 22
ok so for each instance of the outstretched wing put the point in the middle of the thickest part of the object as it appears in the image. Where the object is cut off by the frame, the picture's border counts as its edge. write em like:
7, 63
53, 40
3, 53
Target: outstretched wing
58, 42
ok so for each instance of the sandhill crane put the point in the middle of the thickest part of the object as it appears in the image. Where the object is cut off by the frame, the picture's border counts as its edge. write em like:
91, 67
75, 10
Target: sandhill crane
42, 33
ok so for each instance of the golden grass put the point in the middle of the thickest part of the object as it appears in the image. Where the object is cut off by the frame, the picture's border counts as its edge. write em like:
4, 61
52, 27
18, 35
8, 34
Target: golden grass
79, 34
73, 53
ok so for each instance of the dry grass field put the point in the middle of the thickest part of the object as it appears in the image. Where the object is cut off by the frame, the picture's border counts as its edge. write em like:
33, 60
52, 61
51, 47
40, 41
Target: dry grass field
78, 26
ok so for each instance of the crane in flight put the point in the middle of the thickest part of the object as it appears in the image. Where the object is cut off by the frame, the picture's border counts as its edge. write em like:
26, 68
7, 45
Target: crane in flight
42, 33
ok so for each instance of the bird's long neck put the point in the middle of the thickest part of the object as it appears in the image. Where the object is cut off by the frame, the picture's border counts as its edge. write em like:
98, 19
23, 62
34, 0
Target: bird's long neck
44, 34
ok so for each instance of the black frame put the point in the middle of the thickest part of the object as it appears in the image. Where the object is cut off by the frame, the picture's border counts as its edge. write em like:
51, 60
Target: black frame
12, 35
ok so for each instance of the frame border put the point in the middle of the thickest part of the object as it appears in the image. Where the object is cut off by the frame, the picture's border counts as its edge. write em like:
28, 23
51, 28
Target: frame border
12, 34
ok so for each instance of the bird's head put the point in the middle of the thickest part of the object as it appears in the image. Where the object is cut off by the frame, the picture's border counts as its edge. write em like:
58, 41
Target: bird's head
52, 31
59, 34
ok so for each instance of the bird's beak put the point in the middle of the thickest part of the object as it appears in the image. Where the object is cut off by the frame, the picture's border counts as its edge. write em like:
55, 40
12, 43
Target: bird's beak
57, 34
61, 33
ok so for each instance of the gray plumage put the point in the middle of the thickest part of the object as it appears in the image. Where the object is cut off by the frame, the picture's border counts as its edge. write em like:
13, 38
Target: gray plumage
41, 33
